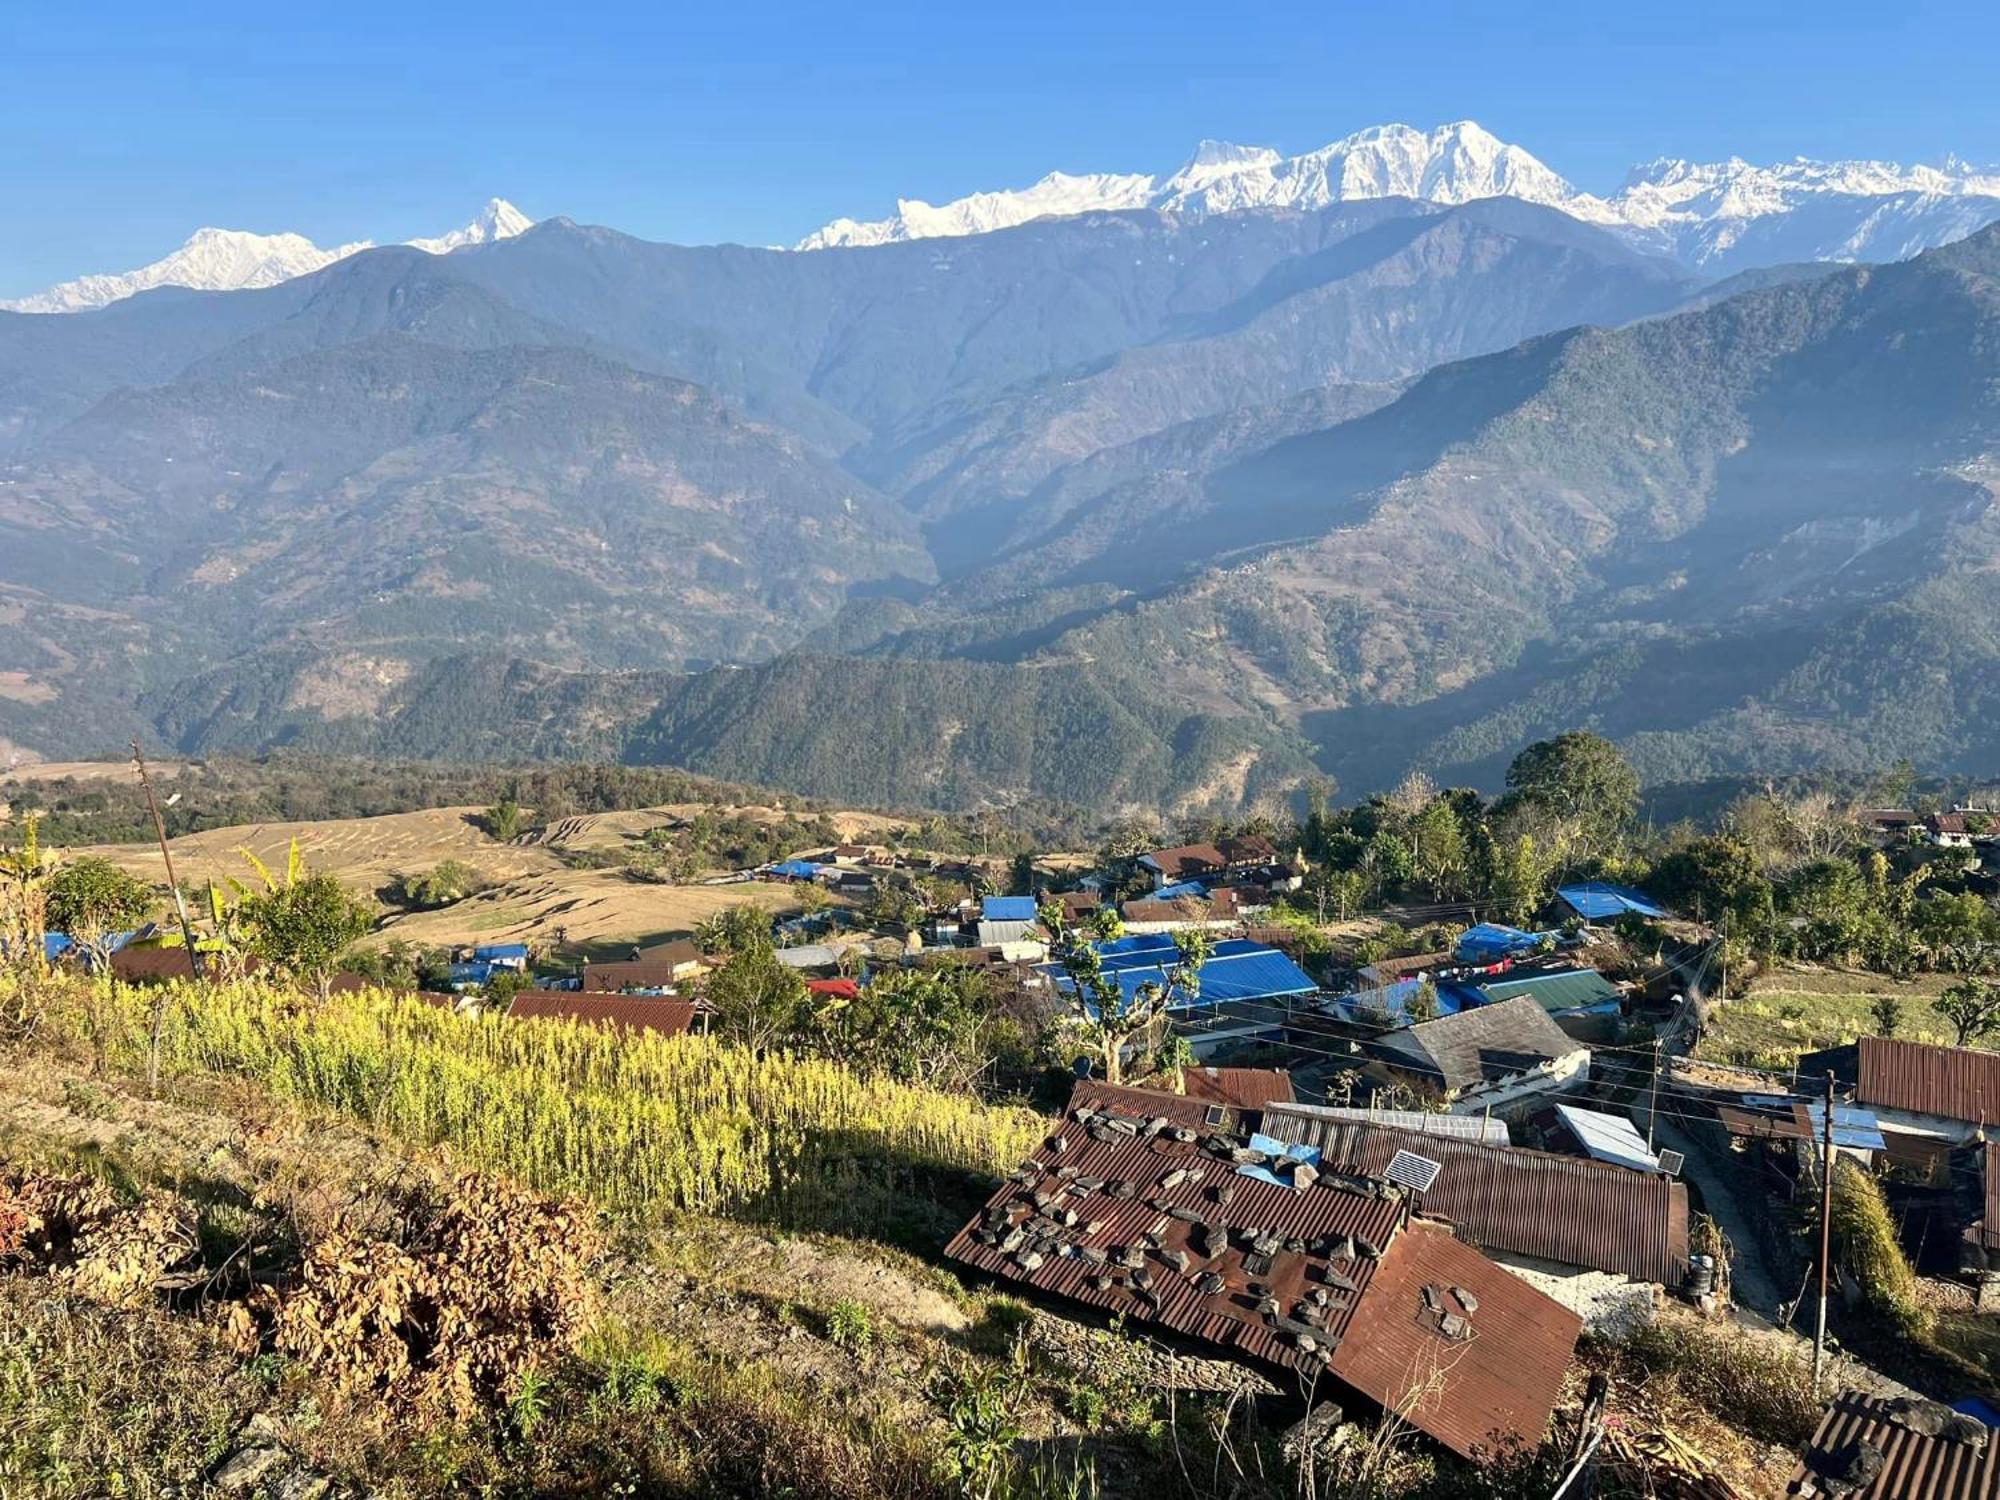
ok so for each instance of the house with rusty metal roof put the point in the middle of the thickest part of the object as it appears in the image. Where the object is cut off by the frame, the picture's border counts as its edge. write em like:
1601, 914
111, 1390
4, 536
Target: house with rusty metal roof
1897, 1448
1248, 1246
1925, 1095
1248, 851
1565, 1213
650, 1013
1489, 1057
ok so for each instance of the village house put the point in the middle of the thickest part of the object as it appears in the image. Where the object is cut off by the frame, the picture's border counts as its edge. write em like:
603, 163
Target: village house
1186, 862
1495, 1057
638, 1013
1926, 1099
1196, 1231
1596, 1237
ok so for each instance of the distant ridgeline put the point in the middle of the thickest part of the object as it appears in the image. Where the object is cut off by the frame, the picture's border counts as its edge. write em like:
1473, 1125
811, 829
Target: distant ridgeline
1127, 510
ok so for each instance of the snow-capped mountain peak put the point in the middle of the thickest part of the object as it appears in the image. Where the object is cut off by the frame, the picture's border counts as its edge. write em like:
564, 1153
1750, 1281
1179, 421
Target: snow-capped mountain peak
234, 259
1455, 163
498, 220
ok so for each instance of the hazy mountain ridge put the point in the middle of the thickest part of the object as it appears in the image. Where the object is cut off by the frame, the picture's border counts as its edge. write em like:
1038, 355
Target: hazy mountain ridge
1205, 492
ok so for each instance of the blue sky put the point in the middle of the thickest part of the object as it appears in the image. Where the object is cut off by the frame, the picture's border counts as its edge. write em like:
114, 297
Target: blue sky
124, 127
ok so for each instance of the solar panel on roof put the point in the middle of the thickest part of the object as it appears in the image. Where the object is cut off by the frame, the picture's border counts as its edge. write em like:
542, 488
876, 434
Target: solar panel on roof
1415, 1172
1671, 1163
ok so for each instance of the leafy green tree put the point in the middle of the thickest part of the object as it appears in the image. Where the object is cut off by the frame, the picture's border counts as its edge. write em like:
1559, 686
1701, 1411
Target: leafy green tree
1972, 1007
1717, 879
1386, 865
743, 928
1115, 1021
451, 880
94, 900
1520, 880
302, 927
929, 1026
758, 1001
502, 821
1582, 778
1437, 850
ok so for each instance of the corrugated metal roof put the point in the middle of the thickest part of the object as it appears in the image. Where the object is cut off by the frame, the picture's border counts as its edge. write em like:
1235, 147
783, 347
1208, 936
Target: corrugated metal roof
1474, 1394
1959, 1083
1418, 1122
1243, 1088
1142, 1198
638, 1012
1236, 970
1609, 1138
1559, 1208
1474, 1046
1491, 940
1571, 989
1912, 1466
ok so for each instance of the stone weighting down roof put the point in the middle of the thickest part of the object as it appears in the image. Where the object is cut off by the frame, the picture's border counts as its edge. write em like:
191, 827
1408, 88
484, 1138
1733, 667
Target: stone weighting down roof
1898, 1448
1152, 1220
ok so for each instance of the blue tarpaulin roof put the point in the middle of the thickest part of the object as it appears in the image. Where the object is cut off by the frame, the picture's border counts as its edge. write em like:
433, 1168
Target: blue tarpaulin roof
1393, 1000
1600, 900
1007, 908
1490, 940
495, 951
1237, 970
471, 973
797, 869
1185, 888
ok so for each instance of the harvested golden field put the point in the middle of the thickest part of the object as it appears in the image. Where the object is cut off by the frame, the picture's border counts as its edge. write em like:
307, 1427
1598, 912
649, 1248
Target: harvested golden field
614, 831
592, 908
362, 852
534, 895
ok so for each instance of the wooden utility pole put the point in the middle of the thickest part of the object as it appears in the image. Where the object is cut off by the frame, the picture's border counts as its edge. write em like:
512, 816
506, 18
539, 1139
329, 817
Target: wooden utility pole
1825, 1230
167, 858
1653, 1104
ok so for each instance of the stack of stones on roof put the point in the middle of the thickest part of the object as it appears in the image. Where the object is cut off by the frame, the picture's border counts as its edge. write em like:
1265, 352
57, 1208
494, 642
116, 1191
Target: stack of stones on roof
1136, 1205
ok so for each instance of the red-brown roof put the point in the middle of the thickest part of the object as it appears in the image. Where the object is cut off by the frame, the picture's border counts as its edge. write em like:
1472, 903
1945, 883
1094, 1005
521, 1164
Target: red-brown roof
1175, 1109
1559, 1208
1502, 1381
1906, 1463
1243, 1088
1340, 1287
1409, 963
1959, 1083
837, 989
1218, 906
635, 1012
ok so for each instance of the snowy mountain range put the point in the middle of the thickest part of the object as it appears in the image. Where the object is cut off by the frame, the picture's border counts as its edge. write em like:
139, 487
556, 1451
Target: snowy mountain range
1710, 215
231, 259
